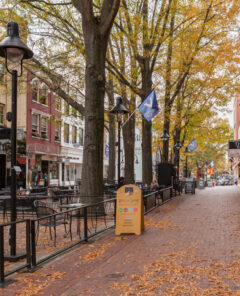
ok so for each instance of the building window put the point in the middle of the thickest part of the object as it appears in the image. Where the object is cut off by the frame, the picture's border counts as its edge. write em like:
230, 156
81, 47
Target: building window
39, 94
43, 95
57, 130
35, 125
66, 133
1, 113
81, 137
66, 109
58, 103
35, 83
1, 72
74, 134
44, 128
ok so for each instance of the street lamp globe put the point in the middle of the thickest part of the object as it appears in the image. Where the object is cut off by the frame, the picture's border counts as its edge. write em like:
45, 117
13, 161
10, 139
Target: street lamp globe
119, 108
178, 145
165, 135
12, 47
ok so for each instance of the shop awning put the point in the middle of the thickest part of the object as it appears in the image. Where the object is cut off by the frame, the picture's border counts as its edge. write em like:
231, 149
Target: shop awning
21, 160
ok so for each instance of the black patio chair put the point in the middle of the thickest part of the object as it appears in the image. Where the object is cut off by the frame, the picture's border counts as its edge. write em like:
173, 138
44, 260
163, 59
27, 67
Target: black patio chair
52, 221
96, 213
24, 205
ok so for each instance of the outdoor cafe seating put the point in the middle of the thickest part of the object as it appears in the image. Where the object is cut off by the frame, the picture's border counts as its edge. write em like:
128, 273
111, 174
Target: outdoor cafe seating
51, 220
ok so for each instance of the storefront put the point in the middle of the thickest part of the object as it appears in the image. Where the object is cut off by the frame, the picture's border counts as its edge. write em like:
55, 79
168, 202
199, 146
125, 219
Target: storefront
71, 172
43, 170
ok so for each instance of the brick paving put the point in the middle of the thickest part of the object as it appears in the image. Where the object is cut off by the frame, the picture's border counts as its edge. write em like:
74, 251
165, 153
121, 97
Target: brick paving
190, 247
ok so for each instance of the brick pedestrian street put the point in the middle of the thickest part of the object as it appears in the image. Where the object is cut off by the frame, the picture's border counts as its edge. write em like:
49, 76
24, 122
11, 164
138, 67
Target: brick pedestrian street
191, 246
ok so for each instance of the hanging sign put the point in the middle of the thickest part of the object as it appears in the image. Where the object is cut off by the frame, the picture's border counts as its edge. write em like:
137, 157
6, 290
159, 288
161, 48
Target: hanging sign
129, 212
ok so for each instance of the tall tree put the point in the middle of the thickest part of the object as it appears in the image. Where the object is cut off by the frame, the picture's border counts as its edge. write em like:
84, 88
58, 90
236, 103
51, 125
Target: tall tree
145, 30
83, 30
96, 32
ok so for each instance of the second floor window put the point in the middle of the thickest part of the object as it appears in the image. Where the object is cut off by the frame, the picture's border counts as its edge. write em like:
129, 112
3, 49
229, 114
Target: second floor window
35, 90
57, 130
44, 129
66, 133
1, 72
35, 125
81, 137
74, 134
1, 113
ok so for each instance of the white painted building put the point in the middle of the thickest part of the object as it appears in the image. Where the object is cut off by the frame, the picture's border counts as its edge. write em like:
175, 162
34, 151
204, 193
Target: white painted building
72, 135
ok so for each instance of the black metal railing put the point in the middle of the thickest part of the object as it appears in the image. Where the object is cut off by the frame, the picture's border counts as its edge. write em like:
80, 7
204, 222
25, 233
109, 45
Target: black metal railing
68, 228
6, 270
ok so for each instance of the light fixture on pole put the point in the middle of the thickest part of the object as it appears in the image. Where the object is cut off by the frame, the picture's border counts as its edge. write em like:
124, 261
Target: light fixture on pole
186, 151
13, 49
119, 109
165, 138
178, 146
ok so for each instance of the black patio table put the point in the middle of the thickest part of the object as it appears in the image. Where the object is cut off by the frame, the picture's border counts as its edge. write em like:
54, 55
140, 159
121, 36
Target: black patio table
26, 199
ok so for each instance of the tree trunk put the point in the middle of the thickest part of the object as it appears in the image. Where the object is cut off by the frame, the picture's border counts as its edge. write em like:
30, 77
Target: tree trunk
112, 135
146, 129
177, 130
168, 103
96, 31
129, 144
92, 174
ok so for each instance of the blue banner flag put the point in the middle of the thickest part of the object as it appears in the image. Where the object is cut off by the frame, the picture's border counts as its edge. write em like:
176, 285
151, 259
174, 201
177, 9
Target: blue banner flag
193, 145
149, 106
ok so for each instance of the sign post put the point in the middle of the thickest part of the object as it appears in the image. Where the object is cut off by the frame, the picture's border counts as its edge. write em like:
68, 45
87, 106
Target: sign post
129, 214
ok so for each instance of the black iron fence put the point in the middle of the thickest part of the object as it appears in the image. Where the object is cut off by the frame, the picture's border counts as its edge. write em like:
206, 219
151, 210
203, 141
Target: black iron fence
54, 232
23, 243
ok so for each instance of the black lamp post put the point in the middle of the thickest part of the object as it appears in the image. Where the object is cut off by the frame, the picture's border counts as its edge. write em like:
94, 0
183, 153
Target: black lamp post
119, 110
177, 147
165, 138
13, 49
186, 151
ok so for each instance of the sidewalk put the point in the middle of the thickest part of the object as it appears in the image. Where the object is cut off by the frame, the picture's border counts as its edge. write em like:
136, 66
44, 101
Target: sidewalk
190, 247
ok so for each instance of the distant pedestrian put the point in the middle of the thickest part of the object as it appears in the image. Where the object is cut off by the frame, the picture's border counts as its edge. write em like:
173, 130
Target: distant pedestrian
45, 180
236, 180
154, 185
121, 181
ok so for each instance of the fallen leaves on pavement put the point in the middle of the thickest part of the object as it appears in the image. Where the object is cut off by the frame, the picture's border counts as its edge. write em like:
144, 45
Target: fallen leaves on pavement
97, 253
162, 224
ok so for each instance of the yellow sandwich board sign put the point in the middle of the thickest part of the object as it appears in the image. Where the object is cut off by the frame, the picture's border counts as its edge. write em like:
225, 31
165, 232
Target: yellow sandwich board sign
129, 213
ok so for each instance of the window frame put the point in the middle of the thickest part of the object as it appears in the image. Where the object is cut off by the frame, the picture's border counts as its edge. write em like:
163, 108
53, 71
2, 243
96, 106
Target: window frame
44, 129
58, 130
2, 113
66, 135
1, 72
74, 134
43, 91
37, 90
81, 136
35, 131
